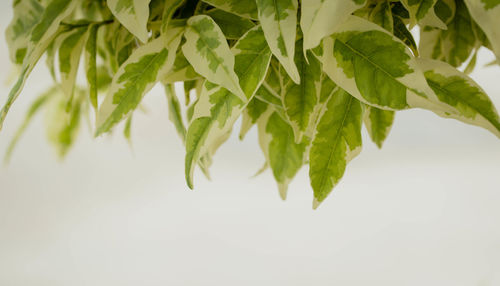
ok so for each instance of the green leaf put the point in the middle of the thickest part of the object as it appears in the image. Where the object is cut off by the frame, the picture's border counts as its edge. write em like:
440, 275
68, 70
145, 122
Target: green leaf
467, 101
337, 141
299, 100
378, 122
174, 111
207, 51
34, 108
487, 15
27, 13
242, 8
217, 108
283, 154
232, 26
422, 11
453, 45
40, 38
383, 74
320, 18
91, 64
133, 15
168, 11
381, 15
253, 111
142, 70
182, 70
279, 20
70, 52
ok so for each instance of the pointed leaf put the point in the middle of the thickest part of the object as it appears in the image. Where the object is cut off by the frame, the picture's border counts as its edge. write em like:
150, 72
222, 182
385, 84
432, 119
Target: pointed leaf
279, 21
70, 52
337, 141
143, 69
242, 8
206, 49
133, 15
378, 122
320, 18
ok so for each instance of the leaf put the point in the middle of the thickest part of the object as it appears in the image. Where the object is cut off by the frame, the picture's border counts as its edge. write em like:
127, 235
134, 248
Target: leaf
279, 20
378, 122
232, 26
133, 15
320, 18
422, 12
70, 52
487, 15
382, 74
207, 51
142, 70
467, 101
217, 108
91, 64
242, 8
174, 111
182, 70
453, 45
40, 38
381, 15
337, 141
63, 124
299, 100
283, 154
253, 111
34, 108
402, 33
27, 13
168, 11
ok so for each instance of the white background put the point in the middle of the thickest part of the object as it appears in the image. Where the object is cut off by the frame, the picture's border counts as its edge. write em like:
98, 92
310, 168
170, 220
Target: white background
422, 211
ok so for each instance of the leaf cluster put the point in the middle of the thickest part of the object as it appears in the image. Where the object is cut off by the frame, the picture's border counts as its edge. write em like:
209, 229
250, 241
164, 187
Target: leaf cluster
308, 74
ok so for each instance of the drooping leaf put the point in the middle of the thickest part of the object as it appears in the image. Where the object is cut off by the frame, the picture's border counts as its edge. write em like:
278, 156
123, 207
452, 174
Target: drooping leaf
467, 101
207, 51
27, 13
337, 141
143, 69
91, 64
422, 11
232, 26
299, 100
378, 122
320, 18
40, 38
70, 52
242, 8
174, 111
383, 74
217, 108
133, 15
279, 20
283, 154
487, 15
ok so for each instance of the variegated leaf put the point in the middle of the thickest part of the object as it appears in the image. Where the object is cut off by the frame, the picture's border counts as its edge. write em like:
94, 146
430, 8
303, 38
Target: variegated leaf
319, 18
133, 15
232, 26
487, 15
337, 141
27, 13
383, 74
217, 108
283, 154
142, 70
70, 52
299, 100
174, 111
467, 101
422, 12
279, 20
168, 12
91, 64
243, 8
40, 38
378, 122
206, 49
